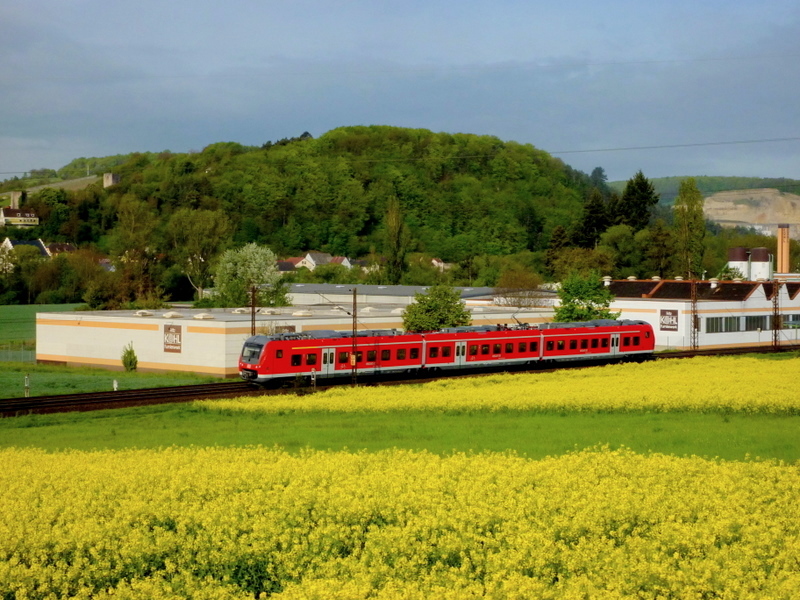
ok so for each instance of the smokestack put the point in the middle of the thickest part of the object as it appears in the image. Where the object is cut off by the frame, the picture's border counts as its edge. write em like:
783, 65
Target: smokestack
783, 248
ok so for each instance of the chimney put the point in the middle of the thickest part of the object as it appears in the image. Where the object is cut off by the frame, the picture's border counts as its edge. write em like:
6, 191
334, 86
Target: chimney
783, 248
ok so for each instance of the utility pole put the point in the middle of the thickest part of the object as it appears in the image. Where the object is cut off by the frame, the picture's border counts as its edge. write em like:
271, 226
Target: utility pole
695, 326
777, 325
252, 310
354, 350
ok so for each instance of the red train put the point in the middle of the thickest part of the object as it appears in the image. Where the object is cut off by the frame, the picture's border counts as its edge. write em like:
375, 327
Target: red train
266, 358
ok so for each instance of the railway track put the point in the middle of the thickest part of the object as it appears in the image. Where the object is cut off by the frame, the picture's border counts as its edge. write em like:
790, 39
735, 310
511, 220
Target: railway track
234, 389
124, 398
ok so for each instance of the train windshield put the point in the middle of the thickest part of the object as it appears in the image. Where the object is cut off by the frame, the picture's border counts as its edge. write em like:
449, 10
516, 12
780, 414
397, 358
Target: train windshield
251, 353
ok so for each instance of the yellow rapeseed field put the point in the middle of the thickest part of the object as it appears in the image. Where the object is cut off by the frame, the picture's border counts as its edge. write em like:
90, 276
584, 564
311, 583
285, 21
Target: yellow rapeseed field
214, 523
730, 384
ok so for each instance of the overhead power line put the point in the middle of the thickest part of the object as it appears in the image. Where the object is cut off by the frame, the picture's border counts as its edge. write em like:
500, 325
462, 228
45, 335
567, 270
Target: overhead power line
668, 146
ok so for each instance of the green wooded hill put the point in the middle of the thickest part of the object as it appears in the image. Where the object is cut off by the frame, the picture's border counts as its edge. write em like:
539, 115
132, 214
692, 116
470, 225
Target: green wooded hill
460, 195
667, 187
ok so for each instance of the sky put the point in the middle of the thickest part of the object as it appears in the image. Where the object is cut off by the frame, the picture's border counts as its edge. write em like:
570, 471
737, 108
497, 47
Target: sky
668, 87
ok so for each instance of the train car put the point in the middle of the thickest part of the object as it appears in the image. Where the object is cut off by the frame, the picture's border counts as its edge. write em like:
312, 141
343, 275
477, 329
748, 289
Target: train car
325, 354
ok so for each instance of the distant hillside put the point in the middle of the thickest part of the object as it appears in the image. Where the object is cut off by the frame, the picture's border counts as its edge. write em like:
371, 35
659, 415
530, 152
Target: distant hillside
762, 209
667, 187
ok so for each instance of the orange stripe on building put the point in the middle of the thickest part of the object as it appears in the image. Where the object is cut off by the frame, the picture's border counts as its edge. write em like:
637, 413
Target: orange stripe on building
98, 324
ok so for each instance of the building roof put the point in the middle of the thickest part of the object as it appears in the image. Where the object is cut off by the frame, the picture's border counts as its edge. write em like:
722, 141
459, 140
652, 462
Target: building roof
35, 243
18, 213
722, 291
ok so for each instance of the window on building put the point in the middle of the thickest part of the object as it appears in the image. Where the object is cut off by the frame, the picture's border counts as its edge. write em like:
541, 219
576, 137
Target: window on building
713, 324
731, 323
756, 323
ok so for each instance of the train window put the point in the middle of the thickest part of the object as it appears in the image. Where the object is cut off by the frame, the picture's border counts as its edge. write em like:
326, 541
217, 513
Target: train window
522, 347
484, 348
414, 353
311, 359
509, 348
584, 344
636, 340
496, 349
344, 358
473, 350
279, 354
324, 358
371, 355
604, 342
550, 345
573, 344
401, 354
626, 341
534, 346
433, 351
297, 360
595, 343
386, 354
446, 350
560, 345
359, 356
647, 335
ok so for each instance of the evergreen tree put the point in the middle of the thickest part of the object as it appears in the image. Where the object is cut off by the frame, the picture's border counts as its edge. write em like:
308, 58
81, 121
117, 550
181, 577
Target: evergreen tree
397, 239
558, 241
638, 199
593, 222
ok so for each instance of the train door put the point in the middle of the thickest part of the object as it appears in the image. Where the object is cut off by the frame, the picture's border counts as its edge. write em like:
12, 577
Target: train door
614, 344
461, 354
328, 366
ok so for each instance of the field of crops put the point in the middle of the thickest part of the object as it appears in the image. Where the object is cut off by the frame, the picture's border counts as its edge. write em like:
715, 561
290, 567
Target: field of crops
220, 522
705, 384
237, 523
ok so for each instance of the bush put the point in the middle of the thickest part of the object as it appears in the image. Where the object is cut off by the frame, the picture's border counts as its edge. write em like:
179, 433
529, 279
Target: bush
129, 359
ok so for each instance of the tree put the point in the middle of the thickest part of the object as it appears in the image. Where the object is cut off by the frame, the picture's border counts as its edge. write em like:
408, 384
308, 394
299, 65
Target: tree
638, 199
519, 287
593, 222
583, 298
240, 270
558, 241
440, 307
397, 239
196, 237
690, 228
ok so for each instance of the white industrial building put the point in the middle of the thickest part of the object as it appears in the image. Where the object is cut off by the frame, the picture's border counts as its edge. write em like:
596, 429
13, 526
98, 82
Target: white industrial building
729, 313
209, 341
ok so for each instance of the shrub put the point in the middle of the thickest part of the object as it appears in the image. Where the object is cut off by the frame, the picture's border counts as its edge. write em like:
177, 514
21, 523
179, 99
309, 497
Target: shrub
129, 359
